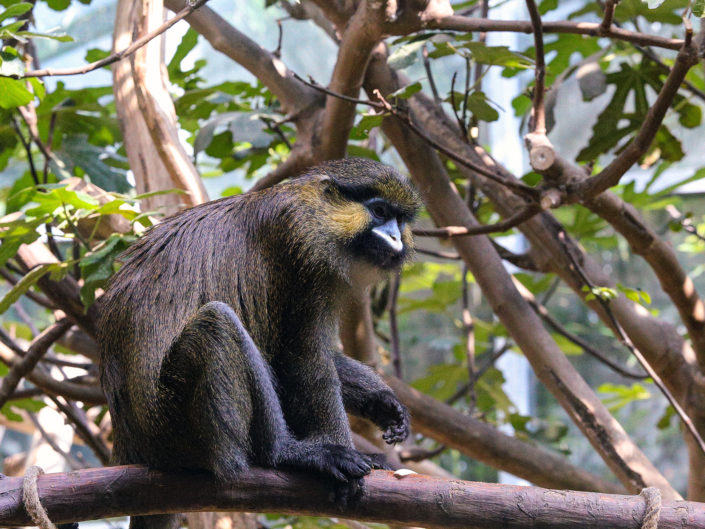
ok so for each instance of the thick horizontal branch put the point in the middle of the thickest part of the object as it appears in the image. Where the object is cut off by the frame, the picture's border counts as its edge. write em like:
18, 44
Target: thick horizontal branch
483, 442
593, 29
411, 500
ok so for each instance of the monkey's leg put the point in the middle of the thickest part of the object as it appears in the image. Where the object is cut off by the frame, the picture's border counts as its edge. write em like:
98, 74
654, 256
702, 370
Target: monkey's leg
228, 393
366, 395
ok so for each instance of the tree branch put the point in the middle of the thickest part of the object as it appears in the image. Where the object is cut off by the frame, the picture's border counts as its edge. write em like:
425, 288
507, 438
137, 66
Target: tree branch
115, 56
550, 365
610, 175
38, 348
538, 121
412, 500
504, 225
592, 29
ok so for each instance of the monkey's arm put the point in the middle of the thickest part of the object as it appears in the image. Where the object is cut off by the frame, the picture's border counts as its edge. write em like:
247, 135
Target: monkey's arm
366, 395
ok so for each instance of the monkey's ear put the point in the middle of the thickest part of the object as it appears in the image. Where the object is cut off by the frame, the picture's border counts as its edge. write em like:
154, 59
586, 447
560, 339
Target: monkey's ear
326, 183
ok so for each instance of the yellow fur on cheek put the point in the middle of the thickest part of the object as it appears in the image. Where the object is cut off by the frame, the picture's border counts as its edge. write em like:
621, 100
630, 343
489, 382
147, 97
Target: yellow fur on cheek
348, 219
407, 238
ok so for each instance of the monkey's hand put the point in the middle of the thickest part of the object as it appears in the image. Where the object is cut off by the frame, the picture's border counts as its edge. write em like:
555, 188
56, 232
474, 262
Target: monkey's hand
390, 415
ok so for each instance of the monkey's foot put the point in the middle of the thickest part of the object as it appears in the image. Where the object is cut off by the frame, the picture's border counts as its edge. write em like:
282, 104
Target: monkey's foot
349, 492
379, 461
339, 462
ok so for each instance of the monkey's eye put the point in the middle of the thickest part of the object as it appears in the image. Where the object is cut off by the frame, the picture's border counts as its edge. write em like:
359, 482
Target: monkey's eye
377, 210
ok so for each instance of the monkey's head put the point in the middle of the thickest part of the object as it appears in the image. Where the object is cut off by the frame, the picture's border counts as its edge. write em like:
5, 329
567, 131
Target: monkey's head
367, 208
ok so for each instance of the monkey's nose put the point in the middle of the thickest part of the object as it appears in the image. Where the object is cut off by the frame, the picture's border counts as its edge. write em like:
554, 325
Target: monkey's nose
389, 232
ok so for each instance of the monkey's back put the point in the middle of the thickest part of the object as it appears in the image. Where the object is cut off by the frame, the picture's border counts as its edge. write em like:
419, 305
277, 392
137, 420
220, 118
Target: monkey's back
218, 251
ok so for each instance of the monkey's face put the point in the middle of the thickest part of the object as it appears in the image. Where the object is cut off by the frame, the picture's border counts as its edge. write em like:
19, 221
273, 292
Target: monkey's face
364, 209
386, 241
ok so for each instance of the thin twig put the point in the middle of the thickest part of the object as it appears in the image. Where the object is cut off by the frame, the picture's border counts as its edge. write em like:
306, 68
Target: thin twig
28, 150
626, 341
519, 187
118, 55
469, 328
606, 24
278, 52
74, 463
394, 284
78, 418
462, 391
592, 29
542, 311
429, 74
36, 350
520, 260
454, 106
461, 231
538, 121
416, 454
440, 254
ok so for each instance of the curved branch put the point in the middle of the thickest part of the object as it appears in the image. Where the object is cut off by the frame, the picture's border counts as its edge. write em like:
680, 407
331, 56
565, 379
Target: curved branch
485, 443
592, 29
411, 500
38, 348
610, 175
504, 225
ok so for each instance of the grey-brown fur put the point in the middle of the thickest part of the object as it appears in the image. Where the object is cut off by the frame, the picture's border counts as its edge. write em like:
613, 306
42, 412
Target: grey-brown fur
218, 334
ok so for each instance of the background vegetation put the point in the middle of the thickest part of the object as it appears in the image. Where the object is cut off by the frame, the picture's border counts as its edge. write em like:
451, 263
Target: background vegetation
550, 327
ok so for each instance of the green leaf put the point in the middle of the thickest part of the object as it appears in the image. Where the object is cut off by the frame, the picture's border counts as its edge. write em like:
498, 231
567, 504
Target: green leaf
10, 30
480, 108
60, 37
188, 43
16, 10
407, 91
619, 396
76, 151
58, 5
699, 8
362, 129
13, 93
405, 55
97, 267
243, 127
11, 63
31, 405
24, 284
495, 55
96, 54
665, 420
690, 115
11, 415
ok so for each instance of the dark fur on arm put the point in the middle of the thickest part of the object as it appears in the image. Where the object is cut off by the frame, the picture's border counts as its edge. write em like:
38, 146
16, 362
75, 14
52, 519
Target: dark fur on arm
366, 395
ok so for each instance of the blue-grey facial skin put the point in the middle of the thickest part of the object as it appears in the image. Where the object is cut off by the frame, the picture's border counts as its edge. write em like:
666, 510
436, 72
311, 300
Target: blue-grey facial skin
390, 233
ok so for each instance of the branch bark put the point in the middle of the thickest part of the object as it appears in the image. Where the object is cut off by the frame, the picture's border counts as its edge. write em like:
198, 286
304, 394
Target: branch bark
414, 500
481, 441
593, 29
446, 207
